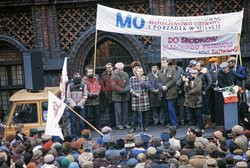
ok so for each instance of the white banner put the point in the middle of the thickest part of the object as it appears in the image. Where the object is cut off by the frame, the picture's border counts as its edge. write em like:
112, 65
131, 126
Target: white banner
186, 47
55, 111
64, 79
119, 21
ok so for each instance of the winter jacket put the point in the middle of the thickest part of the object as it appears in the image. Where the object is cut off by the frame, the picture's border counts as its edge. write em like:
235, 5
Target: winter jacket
193, 98
76, 95
107, 87
154, 98
120, 84
93, 88
206, 80
168, 79
226, 79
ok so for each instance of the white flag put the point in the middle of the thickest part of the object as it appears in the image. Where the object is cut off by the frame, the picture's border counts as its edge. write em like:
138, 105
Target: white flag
55, 111
64, 79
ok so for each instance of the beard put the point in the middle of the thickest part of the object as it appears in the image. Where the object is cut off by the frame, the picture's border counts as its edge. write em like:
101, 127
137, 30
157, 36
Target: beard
91, 76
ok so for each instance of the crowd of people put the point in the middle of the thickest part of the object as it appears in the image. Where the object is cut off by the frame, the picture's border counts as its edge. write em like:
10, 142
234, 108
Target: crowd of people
174, 96
131, 151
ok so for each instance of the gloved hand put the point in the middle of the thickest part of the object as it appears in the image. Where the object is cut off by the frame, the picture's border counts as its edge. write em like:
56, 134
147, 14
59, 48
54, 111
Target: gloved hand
94, 96
77, 108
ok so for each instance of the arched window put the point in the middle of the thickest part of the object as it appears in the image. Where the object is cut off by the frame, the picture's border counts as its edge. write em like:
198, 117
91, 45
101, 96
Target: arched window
11, 73
109, 51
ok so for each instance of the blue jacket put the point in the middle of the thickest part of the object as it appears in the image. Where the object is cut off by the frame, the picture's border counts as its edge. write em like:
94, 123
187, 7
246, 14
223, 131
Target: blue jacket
241, 73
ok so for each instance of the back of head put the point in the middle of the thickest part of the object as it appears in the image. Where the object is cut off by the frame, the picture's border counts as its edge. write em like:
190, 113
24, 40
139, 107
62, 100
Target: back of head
221, 163
101, 152
19, 163
141, 157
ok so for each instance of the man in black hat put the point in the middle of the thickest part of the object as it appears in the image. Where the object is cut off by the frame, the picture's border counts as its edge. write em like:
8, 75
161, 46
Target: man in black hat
154, 99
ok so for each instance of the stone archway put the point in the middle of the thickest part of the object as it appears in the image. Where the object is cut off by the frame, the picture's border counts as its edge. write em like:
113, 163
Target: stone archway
14, 42
85, 43
11, 68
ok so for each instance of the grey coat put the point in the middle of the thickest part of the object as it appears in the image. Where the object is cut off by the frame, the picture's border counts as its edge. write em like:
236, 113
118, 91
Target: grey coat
77, 95
120, 84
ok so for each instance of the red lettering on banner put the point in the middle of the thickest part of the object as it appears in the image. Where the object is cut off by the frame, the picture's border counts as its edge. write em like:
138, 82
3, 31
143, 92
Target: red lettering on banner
173, 39
109, 85
56, 108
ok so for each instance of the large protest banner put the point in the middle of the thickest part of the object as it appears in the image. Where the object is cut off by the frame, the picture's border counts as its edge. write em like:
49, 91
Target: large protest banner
119, 21
190, 47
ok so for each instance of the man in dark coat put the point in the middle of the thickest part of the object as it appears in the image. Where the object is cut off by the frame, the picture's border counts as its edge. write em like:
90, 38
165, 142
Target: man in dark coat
206, 87
120, 95
180, 99
19, 133
155, 101
225, 78
167, 86
193, 99
107, 90
213, 70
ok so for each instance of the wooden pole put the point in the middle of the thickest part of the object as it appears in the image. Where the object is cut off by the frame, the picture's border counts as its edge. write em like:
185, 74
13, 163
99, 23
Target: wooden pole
240, 58
85, 121
237, 57
95, 50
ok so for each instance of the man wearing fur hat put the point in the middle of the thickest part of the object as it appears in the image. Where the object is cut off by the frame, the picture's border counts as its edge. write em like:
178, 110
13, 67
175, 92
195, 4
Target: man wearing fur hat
168, 88
120, 95
206, 86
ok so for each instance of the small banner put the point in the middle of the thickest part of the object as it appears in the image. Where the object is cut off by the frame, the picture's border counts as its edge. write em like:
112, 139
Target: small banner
124, 22
64, 79
190, 47
230, 97
55, 111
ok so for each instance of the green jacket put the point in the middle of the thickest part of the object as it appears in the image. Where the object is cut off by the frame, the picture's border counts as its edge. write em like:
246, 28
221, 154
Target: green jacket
168, 79
193, 97
120, 87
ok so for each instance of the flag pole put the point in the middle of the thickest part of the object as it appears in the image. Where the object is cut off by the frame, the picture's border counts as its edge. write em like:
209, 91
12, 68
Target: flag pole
95, 50
85, 121
240, 58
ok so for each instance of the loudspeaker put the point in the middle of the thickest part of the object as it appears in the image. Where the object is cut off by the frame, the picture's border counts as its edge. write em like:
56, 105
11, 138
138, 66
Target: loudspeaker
33, 71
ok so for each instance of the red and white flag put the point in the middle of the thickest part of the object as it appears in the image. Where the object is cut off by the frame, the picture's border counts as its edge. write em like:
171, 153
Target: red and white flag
64, 79
55, 111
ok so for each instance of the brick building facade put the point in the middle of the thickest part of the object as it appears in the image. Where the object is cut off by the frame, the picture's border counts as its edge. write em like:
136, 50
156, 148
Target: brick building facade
65, 28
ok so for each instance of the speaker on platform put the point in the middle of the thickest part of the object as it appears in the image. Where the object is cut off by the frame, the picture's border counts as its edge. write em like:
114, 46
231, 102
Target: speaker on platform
33, 71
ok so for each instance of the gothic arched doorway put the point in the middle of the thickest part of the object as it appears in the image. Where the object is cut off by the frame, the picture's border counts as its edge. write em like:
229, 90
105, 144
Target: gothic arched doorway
109, 50
111, 47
